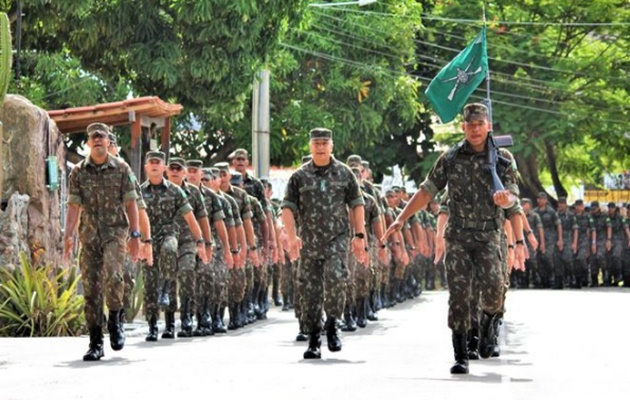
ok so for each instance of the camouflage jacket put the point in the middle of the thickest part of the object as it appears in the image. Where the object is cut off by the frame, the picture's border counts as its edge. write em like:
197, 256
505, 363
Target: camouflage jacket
470, 202
255, 188
618, 224
601, 222
550, 221
372, 214
318, 197
584, 223
258, 219
569, 224
164, 203
102, 191
242, 199
199, 210
236, 213
226, 207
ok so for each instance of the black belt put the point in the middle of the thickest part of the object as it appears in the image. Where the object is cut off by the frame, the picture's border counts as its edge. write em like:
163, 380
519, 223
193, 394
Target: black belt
479, 225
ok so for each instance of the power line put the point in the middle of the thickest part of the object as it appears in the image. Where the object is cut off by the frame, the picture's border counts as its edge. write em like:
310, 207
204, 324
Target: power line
393, 73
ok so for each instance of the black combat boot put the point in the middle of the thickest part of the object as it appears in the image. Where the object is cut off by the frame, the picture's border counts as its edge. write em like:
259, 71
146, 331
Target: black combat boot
334, 343
473, 343
169, 329
314, 347
95, 351
378, 301
486, 336
186, 318
461, 354
116, 329
496, 349
153, 330
349, 323
163, 299
285, 303
200, 329
398, 291
361, 315
233, 310
370, 313
218, 326
207, 313
275, 292
301, 336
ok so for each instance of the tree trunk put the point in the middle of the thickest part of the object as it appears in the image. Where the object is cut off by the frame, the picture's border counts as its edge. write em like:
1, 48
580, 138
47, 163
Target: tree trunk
530, 184
553, 169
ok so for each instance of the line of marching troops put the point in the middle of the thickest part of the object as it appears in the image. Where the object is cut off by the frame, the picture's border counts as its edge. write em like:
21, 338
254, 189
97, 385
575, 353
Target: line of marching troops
247, 267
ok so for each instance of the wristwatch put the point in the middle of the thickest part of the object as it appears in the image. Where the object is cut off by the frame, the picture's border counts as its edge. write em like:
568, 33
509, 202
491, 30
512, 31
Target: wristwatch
135, 234
149, 240
235, 251
209, 243
522, 242
201, 241
359, 235
250, 248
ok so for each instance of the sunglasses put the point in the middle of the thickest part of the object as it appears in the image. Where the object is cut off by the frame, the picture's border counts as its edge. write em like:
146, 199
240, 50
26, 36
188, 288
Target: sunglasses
175, 168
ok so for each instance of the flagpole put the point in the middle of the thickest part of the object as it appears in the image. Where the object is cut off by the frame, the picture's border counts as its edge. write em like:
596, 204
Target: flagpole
490, 117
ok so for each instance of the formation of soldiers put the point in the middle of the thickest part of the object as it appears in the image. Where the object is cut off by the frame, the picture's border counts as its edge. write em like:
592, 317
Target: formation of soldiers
579, 246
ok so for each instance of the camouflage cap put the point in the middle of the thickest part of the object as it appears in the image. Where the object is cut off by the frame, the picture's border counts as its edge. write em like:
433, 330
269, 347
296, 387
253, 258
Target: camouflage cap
222, 166
215, 172
320, 133
177, 161
594, 204
356, 171
306, 159
526, 200
475, 112
366, 164
236, 179
390, 192
353, 159
207, 172
562, 200
612, 204
541, 195
112, 139
579, 202
194, 163
156, 155
97, 127
239, 153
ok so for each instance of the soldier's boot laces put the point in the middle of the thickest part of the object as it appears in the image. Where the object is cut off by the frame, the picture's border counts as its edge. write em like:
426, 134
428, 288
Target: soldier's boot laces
461, 354
116, 329
314, 347
95, 351
153, 330
334, 343
486, 339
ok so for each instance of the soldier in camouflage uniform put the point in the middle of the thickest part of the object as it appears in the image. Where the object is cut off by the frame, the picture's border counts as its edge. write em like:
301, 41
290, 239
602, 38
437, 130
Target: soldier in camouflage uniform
552, 237
317, 195
165, 202
620, 242
530, 277
259, 295
581, 245
626, 251
186, 273
473, 234
239, 311
101, 191
222, 271
601, 243
564, 257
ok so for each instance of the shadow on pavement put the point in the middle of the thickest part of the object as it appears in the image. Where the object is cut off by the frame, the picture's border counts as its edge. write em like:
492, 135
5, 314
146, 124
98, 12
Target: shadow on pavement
104, 362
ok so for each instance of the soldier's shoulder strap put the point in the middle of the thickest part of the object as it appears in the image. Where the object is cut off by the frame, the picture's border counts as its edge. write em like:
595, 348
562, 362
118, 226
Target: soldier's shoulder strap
452, 152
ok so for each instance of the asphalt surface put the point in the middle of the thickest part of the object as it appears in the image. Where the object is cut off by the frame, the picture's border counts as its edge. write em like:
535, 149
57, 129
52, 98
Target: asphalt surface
570, 344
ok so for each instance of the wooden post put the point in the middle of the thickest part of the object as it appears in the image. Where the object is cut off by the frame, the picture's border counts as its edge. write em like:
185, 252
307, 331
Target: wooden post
165, 137
135, 157
1, 163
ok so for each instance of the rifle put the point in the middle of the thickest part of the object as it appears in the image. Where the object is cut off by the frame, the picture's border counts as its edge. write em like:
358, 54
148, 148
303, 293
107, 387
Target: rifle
493, 143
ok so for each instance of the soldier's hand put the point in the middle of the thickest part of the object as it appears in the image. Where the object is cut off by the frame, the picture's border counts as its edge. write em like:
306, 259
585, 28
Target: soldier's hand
560, 244
574, 248
201, 252
253, 257
439, 249
359, 250
209, 252
239, 259
394, 227
532, 241
593, 249
503, 198
542, 248
519, 257
511, 258
68, 244
148, 253
382, 255
405, 258
134, 248
608, 245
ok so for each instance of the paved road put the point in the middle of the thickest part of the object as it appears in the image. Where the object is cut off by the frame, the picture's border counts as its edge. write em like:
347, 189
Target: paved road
556, 345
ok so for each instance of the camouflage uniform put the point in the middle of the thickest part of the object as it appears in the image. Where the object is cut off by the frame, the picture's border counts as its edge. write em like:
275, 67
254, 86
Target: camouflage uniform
564, 258
221, 273
102, 192
129, 267
364, 276
601, 223
619, 243
473, 235
317, 196
584, 223
531, 274
258, 280
550, 223
165, 202
187, 259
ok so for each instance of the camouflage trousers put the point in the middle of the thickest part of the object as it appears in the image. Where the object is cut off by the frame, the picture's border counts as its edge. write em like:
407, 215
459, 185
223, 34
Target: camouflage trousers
598, 262
163, 269
262, 275
184, 284
237, 284
129, 277
363, 278
546, 267
351, 284
467, 261
204, 283
297, 296
614, 259
287, 278
220, 279
322, 287
101, 267
249, 281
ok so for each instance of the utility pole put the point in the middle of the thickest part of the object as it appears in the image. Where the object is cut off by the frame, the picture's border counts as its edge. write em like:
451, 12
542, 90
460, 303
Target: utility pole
260, 125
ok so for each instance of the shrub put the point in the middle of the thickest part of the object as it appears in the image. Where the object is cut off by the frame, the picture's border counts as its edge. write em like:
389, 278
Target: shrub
40, 301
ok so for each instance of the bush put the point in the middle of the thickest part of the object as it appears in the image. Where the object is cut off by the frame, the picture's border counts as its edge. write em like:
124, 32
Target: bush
40, 301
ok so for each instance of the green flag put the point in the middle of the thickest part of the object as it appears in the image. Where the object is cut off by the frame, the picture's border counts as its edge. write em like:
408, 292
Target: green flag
453, 85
